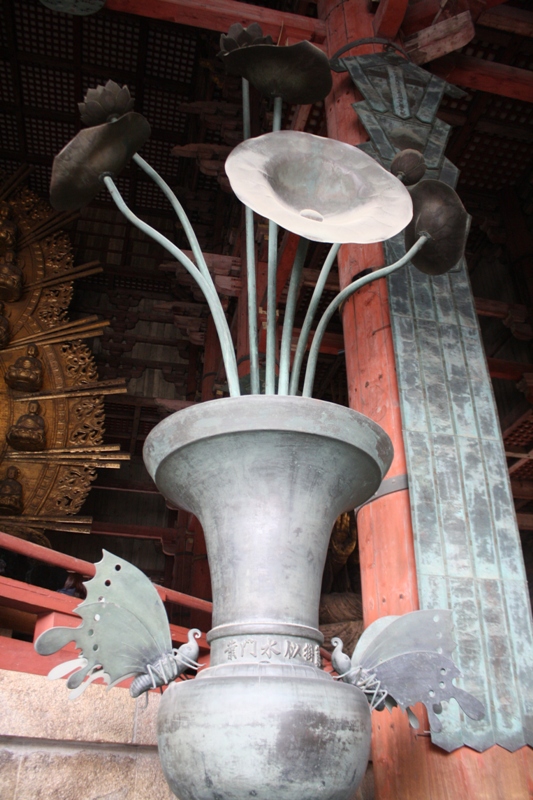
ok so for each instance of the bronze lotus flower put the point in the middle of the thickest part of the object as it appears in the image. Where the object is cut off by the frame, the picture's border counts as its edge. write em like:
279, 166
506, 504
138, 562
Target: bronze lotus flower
437, 211
105, 103
299, 73
319, 188
237, 37
102, 149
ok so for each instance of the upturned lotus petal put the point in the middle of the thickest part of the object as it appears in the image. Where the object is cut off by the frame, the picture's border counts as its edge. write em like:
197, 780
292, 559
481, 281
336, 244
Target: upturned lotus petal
299, 73
325, 190
105, 102
437, 211
104, 149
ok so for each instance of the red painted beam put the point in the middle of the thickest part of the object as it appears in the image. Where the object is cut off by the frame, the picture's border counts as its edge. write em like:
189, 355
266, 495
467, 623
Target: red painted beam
40, 553
21, 657
485, 76
87, 569
218, 15
389, 17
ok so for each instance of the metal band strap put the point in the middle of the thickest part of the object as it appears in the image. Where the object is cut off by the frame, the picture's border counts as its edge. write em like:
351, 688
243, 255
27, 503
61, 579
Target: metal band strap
390, 485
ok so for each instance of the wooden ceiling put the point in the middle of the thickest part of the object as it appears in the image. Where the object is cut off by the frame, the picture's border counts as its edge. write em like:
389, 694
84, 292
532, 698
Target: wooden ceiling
159, 325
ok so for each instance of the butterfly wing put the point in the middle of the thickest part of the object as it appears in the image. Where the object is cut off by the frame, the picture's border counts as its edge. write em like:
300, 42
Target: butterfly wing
119, 582
409, 659
411, 633
124, 624
425, 677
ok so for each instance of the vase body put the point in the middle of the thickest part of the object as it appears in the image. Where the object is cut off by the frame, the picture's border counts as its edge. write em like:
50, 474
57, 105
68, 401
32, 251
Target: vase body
267, 477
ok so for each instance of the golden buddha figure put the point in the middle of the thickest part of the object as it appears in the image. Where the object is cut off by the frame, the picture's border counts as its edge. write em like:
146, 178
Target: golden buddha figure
28, 433
10, 273
10, 494
10, 282
8, 233
26, 374
4, 327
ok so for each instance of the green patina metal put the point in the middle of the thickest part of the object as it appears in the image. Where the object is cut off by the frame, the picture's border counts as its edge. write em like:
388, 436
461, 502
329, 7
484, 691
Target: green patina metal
467, 545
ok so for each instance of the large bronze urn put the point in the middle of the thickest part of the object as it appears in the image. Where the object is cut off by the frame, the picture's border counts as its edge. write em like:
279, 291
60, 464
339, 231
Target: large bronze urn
267, 477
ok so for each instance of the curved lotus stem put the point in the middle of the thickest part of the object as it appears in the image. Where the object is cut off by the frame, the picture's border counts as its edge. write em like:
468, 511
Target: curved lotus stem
288, 322
270, 377
308, 321
180, 213
339, 299
213, 300
250, 258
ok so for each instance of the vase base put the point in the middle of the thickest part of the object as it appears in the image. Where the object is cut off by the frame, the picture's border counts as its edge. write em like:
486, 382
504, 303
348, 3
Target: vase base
264, 731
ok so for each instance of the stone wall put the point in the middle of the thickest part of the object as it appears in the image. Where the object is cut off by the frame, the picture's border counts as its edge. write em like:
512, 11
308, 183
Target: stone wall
101, 746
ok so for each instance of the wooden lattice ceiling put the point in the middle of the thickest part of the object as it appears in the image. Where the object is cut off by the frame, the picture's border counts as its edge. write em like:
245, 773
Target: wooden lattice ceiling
47, 62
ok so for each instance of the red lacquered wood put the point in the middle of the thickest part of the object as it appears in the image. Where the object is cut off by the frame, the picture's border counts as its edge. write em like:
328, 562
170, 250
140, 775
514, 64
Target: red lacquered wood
406, 765
389, 17
218, 15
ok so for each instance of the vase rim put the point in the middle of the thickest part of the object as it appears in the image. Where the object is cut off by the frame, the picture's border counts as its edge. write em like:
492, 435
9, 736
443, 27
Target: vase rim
231, 415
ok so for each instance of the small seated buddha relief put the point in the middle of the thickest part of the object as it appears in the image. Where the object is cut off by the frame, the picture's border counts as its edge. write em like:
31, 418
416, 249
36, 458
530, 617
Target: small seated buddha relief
10, 273
28, 433
11, 494
10, 282
8, 233
26, 374
4, 328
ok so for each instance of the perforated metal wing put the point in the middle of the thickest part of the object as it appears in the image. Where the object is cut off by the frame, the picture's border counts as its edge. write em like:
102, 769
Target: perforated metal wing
410, 659
124, 625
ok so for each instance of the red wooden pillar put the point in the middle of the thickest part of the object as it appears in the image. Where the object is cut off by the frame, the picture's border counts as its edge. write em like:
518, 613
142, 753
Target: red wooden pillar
406, 765
388, 572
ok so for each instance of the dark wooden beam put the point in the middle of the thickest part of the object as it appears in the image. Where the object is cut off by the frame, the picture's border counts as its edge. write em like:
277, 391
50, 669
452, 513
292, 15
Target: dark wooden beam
522, 490
506, 18
422, 14
138, 487
508, 370
438, 40
476, 73
132, 531
525, 521
498, 309
218, 15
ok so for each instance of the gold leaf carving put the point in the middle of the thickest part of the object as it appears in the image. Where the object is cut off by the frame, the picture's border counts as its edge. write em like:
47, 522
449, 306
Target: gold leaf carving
80, 364
90, 417
58, 253
29, 204
53, 305
70, 490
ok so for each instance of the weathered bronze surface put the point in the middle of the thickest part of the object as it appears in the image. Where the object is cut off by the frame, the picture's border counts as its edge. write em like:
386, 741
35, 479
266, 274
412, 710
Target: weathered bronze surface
28, 432
238, 36
408, 166
104, 149
11, 494
299, 73
105, 103
437, 211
